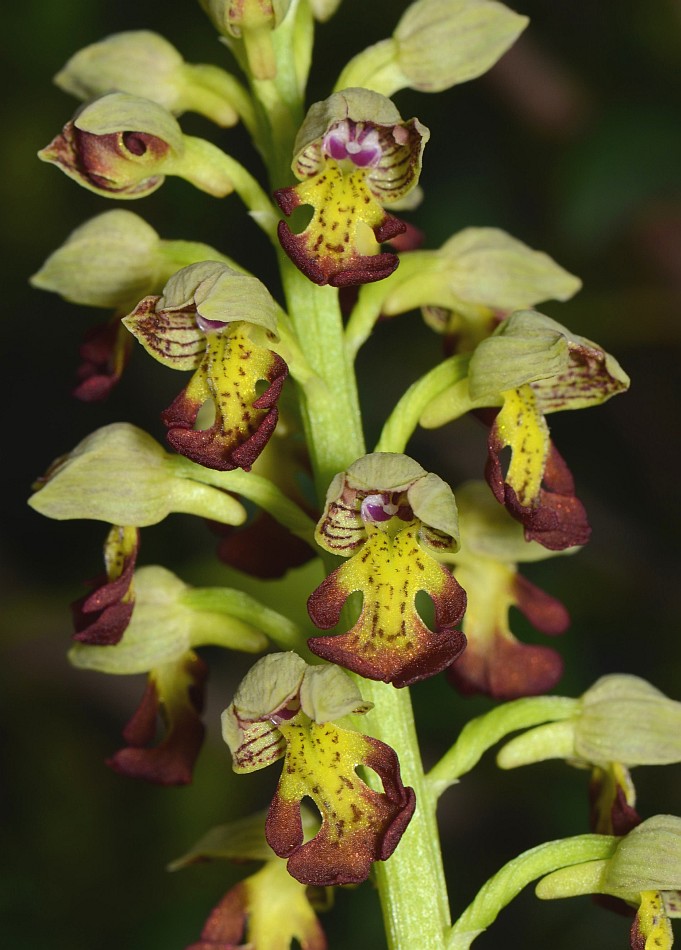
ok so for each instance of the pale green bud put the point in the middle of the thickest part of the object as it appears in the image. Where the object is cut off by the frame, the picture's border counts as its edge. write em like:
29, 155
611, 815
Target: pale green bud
145, 64
648, 858
115, 259
625, 719
437, 44
621, 718
163, 628
478, 267
120, 475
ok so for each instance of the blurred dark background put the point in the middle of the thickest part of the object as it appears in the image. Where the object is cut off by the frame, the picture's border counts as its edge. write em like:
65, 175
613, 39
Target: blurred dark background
572, 144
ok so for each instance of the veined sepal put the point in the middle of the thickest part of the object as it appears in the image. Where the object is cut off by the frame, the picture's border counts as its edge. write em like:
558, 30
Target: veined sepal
120, 475
218, 323
464, 288
621, 718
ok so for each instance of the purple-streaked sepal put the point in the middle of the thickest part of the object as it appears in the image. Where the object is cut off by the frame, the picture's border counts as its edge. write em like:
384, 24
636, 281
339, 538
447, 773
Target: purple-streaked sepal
175, 692
116, 165
353, 156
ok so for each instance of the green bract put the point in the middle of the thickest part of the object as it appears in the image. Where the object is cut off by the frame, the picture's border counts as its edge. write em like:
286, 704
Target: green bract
121, 475
437, 44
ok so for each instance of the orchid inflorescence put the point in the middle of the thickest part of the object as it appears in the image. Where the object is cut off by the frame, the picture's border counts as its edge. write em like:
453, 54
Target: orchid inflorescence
416, 580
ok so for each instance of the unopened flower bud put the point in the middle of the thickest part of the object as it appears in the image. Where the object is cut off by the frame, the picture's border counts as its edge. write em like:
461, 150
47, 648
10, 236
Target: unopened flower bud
251, 21
437, 44
621, 718
120, 475
145, 64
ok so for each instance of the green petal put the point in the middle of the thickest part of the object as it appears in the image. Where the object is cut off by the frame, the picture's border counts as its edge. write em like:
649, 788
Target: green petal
109, 261
328, 693
625, 719
526, 347
648, 858
441, 43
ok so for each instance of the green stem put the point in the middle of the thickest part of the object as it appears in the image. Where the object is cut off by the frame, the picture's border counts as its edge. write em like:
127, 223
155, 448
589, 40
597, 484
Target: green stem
411, 883
286, 634
514, 876
329, 402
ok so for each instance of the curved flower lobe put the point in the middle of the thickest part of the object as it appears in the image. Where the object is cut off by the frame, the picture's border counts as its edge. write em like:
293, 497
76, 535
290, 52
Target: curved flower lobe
652, 927
101, 618
390, 641
175, 690
228, 376
551, 512
359, 825
268, 910
104, 353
